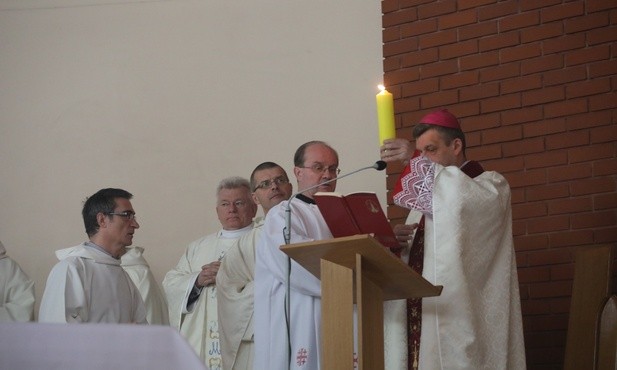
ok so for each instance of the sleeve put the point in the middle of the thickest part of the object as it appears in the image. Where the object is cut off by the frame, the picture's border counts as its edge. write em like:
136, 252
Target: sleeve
64, 299
236, 273
153, 298
178, 284
139, 307
235, 287
278, 262
18, 300
414, 188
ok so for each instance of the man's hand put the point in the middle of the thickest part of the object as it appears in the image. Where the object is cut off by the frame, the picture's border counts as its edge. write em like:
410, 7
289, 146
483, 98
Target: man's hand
207, 275
405, 233
396, 150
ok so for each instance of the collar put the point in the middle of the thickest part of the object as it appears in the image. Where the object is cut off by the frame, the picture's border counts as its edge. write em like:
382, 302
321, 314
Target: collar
305, 199
234, 234
99, 248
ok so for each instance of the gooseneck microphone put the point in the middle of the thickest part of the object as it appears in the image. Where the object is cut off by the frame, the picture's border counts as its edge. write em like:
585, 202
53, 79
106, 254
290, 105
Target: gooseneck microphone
379, 166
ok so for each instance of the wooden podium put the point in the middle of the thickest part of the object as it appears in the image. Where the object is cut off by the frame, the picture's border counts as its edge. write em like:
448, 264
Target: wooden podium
379, 276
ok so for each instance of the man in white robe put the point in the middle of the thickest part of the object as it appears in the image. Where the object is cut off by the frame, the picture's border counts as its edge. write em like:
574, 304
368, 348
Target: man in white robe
315, 162
138, 269
16, 291
467, 247
235, 279
190, 287
88, 285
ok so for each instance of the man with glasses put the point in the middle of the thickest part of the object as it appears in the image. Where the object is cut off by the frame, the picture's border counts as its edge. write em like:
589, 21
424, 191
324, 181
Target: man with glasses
190, 286
235, 279
89, 284
293, 344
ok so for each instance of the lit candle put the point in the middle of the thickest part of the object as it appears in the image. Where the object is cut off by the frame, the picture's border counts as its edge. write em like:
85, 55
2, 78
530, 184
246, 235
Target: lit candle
385, 115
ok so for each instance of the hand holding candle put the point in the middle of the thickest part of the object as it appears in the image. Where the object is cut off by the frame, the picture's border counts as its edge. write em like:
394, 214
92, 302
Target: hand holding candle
385, 115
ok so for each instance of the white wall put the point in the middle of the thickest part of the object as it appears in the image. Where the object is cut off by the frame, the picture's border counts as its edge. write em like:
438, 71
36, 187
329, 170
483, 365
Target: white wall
165, 98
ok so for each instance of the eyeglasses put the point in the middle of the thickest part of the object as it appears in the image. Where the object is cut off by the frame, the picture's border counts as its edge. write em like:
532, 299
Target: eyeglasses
129, 215
237, 204
320, 168
281, 180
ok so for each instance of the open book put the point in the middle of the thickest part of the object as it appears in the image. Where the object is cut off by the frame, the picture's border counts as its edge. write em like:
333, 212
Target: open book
356, 213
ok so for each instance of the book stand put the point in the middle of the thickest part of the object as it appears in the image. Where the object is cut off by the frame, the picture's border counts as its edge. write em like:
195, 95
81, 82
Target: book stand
356, 269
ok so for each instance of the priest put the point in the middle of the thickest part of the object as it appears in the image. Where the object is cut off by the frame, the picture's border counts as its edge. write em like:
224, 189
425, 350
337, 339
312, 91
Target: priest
88, 285
190, 287
462, 240
235, 279
291, 340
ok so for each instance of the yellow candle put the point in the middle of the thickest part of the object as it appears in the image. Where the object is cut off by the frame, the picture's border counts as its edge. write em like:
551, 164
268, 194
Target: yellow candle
385, 115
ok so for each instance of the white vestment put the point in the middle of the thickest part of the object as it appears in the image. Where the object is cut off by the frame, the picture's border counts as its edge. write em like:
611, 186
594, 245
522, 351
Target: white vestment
198, 322
136, 266
468, 248
395, 318
235, 286
16, 291
271, 275
88, 285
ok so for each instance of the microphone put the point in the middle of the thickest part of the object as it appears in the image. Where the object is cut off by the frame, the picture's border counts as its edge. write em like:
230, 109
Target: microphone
379, 166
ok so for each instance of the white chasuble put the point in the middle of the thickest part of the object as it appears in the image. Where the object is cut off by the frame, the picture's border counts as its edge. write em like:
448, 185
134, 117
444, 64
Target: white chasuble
235, 287
476, 322
198, 322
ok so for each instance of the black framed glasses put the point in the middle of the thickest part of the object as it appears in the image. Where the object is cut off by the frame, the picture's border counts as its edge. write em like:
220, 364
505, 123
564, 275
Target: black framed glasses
281, 180
320, 168
129, 215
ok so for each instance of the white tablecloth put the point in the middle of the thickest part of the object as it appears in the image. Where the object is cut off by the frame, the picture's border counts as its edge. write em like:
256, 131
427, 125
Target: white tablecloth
94, 346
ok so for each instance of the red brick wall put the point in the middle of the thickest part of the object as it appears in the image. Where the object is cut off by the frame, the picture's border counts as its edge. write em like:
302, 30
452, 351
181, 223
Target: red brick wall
535, 85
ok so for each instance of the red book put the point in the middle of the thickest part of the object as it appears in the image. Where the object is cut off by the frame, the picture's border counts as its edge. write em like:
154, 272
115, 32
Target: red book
354, 214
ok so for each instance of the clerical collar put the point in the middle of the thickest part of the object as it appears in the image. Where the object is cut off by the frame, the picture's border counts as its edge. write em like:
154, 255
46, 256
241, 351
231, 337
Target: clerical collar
234, 234
98, 247
305, 199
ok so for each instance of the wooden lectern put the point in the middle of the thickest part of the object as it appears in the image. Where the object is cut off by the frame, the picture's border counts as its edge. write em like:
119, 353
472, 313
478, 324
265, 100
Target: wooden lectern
379, 276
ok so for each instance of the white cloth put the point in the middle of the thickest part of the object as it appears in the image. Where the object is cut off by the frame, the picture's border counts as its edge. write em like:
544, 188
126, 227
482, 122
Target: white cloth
271, 274
235, 287
395, 319
395, 334
16, 291
88, 285
51, 346
198, 323
476, 322
136, 266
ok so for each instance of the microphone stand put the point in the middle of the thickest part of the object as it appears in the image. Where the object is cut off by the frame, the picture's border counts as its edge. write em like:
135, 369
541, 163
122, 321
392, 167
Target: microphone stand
379, 166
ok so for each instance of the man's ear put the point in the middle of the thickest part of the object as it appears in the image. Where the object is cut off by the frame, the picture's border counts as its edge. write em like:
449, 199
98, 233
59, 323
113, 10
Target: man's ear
255, 199
458, 146
297, 172
102, 220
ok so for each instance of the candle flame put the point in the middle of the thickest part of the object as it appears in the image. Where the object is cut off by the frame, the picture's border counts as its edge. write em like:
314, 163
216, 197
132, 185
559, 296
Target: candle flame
381, 87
